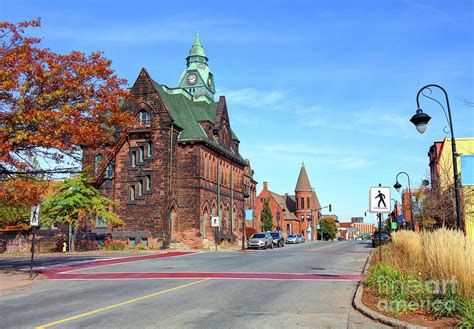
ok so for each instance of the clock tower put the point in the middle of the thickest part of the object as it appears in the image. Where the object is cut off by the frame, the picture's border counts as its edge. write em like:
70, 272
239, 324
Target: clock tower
197, 78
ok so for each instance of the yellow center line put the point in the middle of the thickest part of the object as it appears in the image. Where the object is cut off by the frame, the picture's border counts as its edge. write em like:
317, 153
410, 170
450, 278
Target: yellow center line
75, 317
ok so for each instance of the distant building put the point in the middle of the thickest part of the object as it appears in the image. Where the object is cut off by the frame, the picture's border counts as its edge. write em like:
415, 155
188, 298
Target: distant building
357, 219
292, 214
350, 230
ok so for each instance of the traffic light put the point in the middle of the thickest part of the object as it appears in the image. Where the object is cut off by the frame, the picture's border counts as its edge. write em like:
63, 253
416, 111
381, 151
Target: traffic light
330, 209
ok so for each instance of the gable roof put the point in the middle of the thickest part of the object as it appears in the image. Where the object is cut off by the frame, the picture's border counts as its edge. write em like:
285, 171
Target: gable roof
282, 202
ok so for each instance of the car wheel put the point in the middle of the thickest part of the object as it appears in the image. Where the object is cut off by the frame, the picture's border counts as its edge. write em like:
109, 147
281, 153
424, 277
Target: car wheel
271, 245
265, 246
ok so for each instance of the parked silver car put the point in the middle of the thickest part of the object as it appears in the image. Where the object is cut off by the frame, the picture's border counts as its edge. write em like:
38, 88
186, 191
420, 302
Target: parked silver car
300, 238
260, 240
292, 238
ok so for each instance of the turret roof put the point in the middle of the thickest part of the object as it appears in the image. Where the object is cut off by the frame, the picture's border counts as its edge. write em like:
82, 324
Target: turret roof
303, 184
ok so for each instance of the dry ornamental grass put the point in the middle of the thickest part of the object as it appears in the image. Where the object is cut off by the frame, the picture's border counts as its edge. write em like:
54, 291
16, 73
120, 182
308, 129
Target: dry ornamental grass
439, 255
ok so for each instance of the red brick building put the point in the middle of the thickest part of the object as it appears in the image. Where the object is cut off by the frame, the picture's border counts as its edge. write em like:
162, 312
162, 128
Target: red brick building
291, 214
351, 230
178, 166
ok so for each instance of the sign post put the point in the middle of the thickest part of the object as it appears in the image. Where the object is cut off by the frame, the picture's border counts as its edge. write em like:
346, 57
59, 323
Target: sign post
215, 222
34, 221
379, 202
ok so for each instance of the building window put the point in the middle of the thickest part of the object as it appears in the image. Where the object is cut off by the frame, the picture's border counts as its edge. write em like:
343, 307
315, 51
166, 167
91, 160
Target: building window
278, 216
97, 160
109, 172
134, 158
132, 193
145, 242
148, 182
101, 222
140, 187
302, 218
149, 146
302, 203
132, 242
144, 118
141, 153
308, 217
308, 203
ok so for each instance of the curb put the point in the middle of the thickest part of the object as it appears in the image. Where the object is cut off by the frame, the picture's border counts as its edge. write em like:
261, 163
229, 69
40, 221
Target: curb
358, 305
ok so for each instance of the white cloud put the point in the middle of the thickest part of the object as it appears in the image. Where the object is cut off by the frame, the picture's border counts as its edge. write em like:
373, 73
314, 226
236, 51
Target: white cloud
271, 100
254, 98
335, 157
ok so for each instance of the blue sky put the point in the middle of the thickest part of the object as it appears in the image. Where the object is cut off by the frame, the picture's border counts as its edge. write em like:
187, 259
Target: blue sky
330, 83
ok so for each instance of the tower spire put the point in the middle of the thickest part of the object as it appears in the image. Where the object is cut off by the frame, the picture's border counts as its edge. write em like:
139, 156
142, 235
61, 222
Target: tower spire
303, 184
197, 49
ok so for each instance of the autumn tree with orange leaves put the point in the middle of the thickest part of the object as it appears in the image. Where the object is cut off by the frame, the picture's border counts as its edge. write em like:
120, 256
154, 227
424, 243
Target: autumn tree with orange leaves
51, 105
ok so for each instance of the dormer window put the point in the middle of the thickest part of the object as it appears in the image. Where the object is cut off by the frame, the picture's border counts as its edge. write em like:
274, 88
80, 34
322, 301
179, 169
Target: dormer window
144, 118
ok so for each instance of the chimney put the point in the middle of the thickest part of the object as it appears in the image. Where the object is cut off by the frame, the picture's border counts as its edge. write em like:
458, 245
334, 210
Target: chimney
265, 185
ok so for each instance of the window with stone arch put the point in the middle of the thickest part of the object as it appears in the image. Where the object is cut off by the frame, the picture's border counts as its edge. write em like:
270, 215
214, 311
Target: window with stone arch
205, 221
144, 118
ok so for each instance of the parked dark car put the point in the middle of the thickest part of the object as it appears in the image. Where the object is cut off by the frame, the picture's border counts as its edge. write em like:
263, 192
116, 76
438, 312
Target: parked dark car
385, 238
278, 239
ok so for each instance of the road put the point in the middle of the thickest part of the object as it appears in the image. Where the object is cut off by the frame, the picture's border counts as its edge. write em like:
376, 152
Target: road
308, 285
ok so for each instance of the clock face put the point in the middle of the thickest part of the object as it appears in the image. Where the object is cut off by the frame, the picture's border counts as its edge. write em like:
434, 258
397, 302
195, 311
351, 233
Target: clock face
191, 79
209, 81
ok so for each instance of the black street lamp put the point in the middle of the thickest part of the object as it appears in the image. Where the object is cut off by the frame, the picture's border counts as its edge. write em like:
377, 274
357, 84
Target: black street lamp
420, 120
397, 187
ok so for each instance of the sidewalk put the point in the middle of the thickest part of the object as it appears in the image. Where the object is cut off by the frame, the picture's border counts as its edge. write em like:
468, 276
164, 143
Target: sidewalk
14, 281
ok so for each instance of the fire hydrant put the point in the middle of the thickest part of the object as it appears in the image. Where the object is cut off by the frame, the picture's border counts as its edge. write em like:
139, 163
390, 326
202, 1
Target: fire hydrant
64, 246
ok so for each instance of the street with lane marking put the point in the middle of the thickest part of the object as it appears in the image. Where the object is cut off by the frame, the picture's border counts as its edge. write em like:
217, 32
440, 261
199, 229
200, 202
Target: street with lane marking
304, 285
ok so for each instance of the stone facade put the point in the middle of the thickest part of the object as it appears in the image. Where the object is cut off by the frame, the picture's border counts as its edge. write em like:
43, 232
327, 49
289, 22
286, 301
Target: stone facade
175, 169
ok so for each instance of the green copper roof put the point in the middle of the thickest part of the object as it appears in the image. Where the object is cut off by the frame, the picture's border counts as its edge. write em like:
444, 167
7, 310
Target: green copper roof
197, 49
188, 114
303, 184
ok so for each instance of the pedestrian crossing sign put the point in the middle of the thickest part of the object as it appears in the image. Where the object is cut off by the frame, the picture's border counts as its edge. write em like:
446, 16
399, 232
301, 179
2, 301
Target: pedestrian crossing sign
379, 199
215, 221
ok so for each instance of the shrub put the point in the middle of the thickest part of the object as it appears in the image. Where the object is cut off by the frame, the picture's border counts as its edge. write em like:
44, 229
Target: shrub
249, 231
114, 245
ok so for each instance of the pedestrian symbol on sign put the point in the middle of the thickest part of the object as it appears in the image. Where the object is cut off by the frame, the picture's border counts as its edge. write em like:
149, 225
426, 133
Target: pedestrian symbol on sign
215, 221
381, 198
378, 197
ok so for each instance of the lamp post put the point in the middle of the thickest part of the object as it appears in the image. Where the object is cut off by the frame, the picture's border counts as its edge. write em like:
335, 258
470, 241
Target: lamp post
246, 195
420, 120
397, 187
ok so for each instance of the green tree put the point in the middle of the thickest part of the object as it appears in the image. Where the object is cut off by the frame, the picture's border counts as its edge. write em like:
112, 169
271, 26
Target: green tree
329, 228
78, 200
266, 217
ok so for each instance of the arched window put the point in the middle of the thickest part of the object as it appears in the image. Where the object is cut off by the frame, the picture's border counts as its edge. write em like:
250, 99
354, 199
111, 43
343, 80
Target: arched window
144, 118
